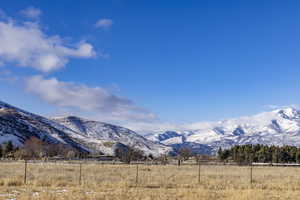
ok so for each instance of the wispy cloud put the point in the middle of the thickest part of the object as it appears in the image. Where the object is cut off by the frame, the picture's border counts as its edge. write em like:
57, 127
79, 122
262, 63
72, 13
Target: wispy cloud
31, 12
104, 23
275, 107
27, 45
272, 107
94, 100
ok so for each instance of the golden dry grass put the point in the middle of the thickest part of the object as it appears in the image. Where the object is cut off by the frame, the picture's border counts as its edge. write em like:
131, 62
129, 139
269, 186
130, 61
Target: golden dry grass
50, 181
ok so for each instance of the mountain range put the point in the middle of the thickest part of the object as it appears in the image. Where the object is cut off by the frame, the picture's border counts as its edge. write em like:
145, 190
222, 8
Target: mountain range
278, 127
17, 126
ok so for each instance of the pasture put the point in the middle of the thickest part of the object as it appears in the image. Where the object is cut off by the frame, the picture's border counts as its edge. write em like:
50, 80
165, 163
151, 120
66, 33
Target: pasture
91, 180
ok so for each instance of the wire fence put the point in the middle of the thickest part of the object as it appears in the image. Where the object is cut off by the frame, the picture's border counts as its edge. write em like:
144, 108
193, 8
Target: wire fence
141, 174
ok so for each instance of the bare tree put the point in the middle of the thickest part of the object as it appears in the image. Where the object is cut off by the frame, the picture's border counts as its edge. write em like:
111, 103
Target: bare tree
71, 154
8, 149
197, 158
185, 153
128, 153
34, 148
163, 159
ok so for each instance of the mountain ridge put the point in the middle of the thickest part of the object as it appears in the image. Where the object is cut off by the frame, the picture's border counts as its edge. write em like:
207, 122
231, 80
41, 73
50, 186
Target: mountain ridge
18, 125
277, 127
101, 133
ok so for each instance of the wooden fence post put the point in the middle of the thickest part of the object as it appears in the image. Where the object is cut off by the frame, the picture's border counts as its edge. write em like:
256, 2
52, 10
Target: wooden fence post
25, 172
137, 174
80, 169
251, 173
199, 172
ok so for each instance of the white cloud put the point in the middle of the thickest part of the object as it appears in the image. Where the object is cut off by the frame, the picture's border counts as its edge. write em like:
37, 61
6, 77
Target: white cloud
28, 46
31, 12
145, 128
95, 101
276, 107
104, 23
157, 126
272, 107
25, 44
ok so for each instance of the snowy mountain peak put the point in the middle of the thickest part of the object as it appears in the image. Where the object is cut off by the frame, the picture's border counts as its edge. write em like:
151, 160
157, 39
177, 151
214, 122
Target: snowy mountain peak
17, 125
70, 118
288, 113
90, 127
167, 135
278, 127
103, 136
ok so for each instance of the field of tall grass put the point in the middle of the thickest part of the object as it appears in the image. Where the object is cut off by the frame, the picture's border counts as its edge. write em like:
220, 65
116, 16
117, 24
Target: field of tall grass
57, 181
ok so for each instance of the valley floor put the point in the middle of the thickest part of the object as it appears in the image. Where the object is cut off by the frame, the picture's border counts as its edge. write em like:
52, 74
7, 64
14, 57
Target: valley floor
58, 181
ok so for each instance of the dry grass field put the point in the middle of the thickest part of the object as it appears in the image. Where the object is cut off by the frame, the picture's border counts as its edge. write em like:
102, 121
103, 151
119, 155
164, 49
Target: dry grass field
58, 181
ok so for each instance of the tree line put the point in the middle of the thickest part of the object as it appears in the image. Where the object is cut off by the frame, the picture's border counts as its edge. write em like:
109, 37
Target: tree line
260, 153
35, 148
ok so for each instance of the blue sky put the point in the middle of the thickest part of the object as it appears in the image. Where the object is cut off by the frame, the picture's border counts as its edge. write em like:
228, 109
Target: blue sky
172, 61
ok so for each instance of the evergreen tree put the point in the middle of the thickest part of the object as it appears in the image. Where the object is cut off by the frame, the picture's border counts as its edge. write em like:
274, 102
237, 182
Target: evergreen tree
261, 153
275, 155
8, 148
298, 156
224, 154
1, 152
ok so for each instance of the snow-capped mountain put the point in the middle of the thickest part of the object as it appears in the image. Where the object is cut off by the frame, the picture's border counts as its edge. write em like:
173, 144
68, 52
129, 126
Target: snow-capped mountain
104, 137
278, 127
17, 125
